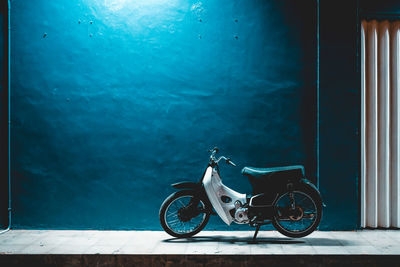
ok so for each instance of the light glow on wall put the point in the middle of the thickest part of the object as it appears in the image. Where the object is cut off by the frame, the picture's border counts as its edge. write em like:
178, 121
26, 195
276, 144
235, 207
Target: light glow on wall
116, 5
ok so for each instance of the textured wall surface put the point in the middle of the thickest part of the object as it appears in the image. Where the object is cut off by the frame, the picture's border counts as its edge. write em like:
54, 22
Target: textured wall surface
3, 118
114, 100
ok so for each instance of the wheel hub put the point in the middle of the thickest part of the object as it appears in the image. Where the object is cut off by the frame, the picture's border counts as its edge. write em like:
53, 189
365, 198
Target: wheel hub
184, 215
296, 214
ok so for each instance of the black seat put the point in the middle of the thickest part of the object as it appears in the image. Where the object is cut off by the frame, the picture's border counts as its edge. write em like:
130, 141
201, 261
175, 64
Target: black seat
296, 170
272, 180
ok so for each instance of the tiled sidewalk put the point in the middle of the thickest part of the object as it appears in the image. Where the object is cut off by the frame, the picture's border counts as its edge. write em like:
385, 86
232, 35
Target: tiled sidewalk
377, 242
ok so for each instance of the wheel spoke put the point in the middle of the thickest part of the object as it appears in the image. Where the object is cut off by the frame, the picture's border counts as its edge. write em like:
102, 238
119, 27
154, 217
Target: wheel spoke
183, 205
172, 216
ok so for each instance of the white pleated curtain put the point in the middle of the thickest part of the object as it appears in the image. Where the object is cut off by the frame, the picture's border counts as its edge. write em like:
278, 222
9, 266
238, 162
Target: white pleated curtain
380, 124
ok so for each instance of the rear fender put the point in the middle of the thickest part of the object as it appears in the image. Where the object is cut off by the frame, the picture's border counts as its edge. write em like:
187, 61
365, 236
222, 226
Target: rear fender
309, 185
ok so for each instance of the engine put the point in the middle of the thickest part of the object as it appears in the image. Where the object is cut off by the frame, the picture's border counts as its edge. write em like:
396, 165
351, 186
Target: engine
241, 213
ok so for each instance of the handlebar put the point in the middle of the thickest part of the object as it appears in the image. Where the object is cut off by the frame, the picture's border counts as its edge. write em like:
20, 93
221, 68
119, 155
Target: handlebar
227, 160
214, 151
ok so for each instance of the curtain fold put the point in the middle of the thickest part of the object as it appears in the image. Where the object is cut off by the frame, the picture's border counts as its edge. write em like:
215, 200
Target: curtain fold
380, 146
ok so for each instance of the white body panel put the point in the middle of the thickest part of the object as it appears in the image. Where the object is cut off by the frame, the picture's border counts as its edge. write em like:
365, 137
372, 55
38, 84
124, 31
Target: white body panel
215, 189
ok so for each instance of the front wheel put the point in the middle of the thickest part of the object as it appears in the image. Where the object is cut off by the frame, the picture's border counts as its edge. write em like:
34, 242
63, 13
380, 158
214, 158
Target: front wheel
183, 214
297, 213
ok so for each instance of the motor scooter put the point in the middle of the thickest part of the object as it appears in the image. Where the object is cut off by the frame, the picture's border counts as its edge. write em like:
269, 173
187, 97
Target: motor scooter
281, 196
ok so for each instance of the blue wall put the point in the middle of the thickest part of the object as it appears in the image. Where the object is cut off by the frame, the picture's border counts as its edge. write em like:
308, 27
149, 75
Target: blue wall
3, 117
114, 100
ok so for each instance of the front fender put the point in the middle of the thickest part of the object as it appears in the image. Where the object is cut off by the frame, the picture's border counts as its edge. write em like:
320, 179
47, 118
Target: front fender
198, 190
186, 185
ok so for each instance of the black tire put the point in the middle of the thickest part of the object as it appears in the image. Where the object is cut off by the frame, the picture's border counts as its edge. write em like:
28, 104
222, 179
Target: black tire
318, 205
165, 205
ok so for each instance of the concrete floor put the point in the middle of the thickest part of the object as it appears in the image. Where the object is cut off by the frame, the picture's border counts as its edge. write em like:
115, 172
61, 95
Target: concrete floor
376, 242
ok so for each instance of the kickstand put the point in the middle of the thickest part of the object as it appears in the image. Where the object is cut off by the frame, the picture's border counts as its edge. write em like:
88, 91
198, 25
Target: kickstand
255, 234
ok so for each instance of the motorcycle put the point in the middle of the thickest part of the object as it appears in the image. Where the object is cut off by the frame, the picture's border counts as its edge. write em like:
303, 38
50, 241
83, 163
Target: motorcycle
281, 196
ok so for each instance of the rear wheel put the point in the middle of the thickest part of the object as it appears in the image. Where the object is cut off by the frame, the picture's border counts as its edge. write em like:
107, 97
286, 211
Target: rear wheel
183, 214
299, 218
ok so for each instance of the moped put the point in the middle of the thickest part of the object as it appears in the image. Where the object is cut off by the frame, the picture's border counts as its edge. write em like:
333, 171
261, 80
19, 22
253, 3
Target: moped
281, 196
